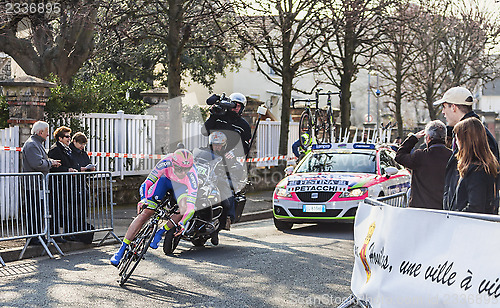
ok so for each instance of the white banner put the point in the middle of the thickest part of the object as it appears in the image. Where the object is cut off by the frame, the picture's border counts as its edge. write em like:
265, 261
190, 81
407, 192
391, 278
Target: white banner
406, 257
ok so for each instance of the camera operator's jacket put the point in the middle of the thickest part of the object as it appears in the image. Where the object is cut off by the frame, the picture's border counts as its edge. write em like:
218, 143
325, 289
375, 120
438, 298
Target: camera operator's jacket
233, 126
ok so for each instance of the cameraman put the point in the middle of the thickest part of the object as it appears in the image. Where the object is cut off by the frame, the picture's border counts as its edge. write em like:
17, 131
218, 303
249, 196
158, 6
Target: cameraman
225, 116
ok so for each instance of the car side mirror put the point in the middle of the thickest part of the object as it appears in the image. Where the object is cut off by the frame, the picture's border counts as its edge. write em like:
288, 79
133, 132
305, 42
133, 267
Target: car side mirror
390, 171
288, 170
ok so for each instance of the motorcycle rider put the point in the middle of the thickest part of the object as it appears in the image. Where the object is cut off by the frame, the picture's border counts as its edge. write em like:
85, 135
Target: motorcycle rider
231, 175
230, 122
176, 173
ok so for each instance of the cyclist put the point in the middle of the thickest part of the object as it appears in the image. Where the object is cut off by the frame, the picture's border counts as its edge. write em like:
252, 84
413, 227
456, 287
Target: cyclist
176, 173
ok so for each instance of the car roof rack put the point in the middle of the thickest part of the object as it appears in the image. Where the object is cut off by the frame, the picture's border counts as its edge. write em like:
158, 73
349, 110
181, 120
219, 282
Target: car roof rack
344, 145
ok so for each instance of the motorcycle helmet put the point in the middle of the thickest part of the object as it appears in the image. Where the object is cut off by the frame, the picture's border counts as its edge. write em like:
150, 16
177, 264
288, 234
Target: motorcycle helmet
239, 98
183, 159
218, 138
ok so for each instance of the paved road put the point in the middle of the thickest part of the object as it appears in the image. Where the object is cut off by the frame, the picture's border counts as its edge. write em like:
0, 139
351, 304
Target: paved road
254, 266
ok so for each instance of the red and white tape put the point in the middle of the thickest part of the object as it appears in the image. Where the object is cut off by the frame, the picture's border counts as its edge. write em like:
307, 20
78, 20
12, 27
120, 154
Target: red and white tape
151, 156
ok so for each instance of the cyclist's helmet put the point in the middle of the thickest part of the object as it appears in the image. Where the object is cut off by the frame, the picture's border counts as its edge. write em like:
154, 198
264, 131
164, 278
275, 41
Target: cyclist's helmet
217, 138
182, 158
239, 98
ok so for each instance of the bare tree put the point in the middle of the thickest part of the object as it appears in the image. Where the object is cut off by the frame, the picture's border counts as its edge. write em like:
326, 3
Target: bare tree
288, 42
356, 28
57, 38
398, 54
457, 46
189, 38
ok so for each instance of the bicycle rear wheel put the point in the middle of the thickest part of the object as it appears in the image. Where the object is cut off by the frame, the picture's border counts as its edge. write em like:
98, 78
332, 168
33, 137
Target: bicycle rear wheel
319, 125
329, 127
304, 127
137, 251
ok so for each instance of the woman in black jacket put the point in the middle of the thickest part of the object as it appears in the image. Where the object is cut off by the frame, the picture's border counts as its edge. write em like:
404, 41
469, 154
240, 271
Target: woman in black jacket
61, 186
477, 167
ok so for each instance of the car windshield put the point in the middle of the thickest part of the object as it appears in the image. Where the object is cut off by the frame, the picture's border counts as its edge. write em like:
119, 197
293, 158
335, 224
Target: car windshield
340, 162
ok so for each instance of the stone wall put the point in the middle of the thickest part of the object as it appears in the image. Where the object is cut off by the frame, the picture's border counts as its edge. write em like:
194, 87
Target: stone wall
126, 191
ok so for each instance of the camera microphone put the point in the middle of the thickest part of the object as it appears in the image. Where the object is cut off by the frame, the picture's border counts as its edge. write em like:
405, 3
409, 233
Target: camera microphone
213, 99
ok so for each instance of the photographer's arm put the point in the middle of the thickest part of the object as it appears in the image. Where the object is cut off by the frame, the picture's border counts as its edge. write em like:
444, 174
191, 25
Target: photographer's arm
208, 125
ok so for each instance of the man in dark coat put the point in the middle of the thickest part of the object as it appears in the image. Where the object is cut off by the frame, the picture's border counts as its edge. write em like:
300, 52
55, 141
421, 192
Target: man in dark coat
427, 165
457, 106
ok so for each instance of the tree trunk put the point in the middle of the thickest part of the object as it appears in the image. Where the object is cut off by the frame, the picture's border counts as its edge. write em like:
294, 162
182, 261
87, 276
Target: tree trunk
398, 98
286, 86
174, 46
430, 103
345, 102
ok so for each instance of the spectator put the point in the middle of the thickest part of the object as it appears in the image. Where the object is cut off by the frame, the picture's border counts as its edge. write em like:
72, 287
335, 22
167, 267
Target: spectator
477, 167
80, 157
80, 206
62, 187
230, 123
427, 165
60, 150
457, 106
35, 159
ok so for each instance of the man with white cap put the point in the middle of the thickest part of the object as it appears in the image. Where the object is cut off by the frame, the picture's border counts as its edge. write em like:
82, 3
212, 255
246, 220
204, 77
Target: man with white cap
457, 106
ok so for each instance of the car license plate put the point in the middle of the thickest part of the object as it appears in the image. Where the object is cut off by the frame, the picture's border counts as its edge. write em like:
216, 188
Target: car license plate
314, 208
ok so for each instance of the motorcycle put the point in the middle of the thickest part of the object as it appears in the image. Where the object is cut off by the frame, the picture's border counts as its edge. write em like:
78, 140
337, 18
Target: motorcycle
208, 209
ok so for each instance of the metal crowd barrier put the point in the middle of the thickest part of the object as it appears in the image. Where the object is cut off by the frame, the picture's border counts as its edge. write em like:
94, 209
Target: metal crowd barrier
398, 200
23, 212
79, 204
59, 204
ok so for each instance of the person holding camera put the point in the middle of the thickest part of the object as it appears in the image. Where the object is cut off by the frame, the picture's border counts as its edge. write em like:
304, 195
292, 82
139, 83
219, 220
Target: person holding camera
225, 116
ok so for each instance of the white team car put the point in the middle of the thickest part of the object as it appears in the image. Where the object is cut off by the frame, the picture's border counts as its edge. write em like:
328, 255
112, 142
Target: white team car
328, 184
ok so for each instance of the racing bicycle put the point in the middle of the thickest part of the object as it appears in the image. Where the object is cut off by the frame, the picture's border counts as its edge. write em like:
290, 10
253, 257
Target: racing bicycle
139, 246
311, 123
329, 124
321, 123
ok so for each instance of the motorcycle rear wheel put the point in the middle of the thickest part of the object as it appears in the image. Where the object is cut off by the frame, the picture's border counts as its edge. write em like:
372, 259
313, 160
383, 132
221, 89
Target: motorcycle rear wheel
199, 242
170, 242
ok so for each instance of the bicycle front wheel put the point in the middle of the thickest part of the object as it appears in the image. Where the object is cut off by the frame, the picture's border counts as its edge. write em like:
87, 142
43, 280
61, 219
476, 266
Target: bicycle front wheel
137, 251
304, 127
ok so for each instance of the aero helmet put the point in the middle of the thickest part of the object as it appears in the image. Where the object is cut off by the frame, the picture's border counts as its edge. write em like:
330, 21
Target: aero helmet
182, 158
239, 99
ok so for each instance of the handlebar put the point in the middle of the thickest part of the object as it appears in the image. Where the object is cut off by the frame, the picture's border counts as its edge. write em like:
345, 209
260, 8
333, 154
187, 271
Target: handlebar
317, 94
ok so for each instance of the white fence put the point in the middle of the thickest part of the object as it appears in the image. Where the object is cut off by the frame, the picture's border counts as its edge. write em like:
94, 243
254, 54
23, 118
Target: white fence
120, 133
268, 136
9, 163
192, 137
9, 160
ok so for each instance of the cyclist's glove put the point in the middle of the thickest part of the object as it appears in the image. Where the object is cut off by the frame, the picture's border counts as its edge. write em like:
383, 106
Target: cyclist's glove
180, 229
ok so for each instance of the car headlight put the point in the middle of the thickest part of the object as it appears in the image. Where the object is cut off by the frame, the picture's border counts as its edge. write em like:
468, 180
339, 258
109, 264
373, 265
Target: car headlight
356, 192
281, 192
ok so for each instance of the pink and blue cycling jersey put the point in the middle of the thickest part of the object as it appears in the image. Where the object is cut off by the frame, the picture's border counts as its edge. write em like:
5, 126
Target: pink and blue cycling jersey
162, 179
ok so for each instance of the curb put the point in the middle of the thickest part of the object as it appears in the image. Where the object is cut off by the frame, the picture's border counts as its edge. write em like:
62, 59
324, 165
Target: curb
256, 216
12, 254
